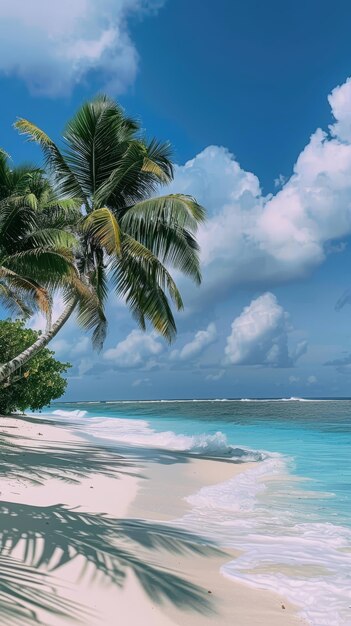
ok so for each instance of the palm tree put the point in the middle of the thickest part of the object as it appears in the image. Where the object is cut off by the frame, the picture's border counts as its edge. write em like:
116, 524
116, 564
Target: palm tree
36, 245
129, 238
20, 256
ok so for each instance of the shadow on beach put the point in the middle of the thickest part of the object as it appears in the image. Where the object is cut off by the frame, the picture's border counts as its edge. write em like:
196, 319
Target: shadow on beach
47, 538
36, 541
71, 463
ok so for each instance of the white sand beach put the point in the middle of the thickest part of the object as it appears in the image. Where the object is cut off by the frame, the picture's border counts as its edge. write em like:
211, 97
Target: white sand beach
98, 527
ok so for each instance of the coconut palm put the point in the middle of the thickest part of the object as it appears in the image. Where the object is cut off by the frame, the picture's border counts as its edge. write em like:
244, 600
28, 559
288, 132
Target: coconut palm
35, 250
129, 238
36, 245
21, 259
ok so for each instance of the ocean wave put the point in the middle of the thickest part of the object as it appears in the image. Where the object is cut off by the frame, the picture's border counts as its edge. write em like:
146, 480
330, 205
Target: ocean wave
139, 433
238, 493
308, 563
71, 414
292, 399
206, 401
319, 582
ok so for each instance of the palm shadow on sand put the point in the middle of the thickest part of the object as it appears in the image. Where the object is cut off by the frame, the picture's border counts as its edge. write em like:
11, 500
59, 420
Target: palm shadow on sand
35, 464
24, 590
44, 539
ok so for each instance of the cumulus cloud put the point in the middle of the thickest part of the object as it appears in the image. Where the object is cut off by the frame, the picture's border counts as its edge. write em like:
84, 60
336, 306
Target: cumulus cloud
75, 350
197, 345
81, 346
60, 346
54, 45
254, 238
134, 351
71, 348
259, 336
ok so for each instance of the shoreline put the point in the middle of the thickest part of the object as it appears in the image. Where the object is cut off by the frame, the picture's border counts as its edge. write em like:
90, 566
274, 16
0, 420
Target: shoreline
53, 473
234, 602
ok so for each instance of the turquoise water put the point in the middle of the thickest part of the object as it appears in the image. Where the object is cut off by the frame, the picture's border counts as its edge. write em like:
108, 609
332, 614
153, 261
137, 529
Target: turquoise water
292, 511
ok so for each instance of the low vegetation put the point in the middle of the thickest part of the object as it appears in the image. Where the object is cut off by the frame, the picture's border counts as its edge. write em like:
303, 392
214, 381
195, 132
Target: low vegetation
41, 379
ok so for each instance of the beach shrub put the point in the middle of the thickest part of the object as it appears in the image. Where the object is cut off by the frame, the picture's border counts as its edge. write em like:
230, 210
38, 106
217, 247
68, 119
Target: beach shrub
39, 381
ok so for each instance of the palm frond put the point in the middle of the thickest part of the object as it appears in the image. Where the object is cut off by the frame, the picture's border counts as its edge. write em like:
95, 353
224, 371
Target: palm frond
154, 269
103, 228
158, 159
153, 168
19, 287
165, 225
14, 302
96, 138
31, 200
90, 313
171, 209
99, 277
16, 220
66, 181
124, 176
141, 279
47, 237
50, 267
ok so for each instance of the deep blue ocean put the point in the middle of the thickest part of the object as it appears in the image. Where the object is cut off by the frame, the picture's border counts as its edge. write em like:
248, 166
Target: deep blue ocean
290, 512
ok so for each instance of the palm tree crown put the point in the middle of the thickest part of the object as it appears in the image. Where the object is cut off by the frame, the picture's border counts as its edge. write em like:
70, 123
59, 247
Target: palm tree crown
35, 246
128, 236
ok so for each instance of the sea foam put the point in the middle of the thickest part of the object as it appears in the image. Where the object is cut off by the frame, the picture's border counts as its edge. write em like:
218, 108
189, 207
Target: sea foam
283, 545
139, 433
69, 414
308, 563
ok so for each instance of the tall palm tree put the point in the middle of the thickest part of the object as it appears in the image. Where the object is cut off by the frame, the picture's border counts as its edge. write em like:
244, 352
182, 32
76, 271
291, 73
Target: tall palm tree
36, 245
129, 238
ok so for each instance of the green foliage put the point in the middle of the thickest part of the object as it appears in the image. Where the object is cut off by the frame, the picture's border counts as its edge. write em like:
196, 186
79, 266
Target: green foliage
129, 239
39, 381
36, 243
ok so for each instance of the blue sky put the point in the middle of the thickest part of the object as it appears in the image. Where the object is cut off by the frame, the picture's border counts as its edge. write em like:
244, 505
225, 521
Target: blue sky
265, 82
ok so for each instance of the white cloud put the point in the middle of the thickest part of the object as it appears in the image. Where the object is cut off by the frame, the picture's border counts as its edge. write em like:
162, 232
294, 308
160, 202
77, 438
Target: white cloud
134, 350
196, 346
254, 238
259, 336
70, 348
339, 100
84, 366
60, 346
54, 45
82, 346
39, 322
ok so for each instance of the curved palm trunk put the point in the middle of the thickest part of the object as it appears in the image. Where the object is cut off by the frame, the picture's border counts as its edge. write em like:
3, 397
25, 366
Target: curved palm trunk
11, 366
